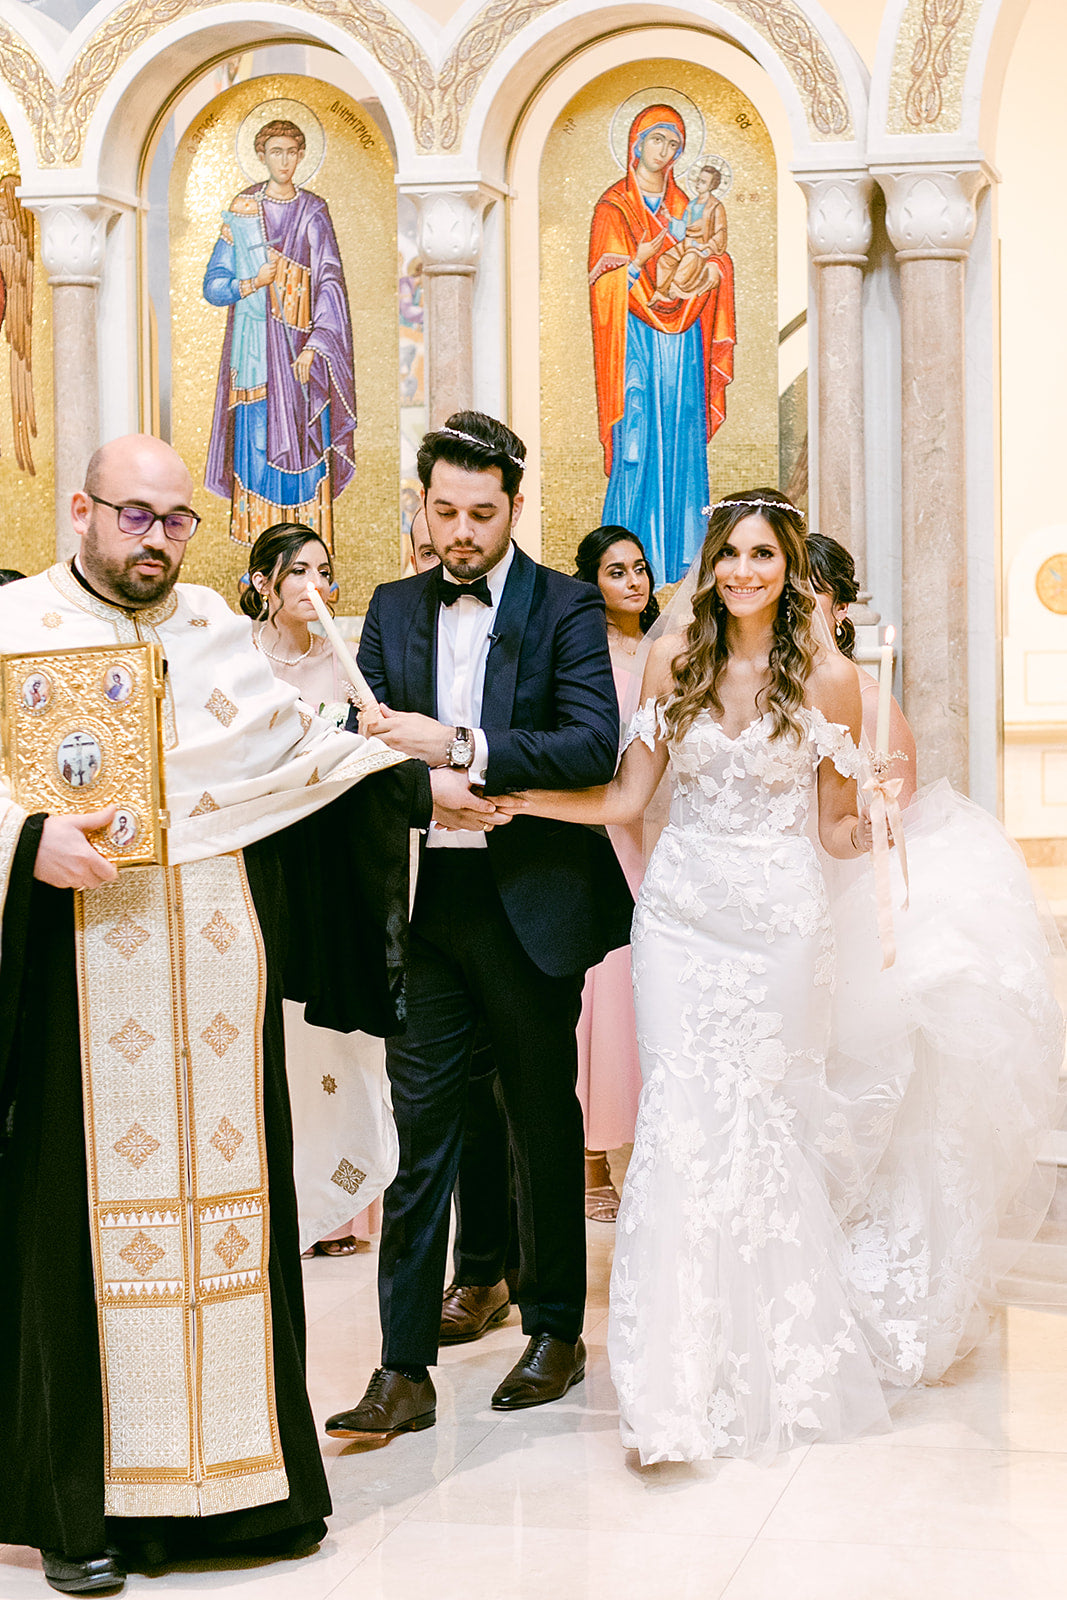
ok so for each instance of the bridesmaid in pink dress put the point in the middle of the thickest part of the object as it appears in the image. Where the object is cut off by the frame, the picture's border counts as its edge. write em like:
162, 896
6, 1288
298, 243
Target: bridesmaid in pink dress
609, 1073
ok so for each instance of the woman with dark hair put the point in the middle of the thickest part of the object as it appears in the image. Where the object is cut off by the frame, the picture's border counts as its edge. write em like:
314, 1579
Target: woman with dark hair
285, 559
609, 1070
798, 1234
833, 576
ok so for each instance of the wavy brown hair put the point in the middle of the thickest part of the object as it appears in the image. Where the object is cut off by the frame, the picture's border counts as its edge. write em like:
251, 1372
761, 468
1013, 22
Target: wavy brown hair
698, 669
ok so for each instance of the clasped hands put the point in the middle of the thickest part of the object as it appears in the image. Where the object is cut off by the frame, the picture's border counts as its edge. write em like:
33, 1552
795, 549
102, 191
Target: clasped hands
456, 806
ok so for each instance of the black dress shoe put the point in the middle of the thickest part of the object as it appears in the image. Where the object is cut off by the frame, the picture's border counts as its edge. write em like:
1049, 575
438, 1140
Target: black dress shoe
546, 1369
392, 1404
102, 1574
469, 1310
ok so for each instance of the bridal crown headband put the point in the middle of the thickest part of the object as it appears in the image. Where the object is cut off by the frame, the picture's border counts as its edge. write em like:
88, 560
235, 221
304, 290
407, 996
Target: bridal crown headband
773, 505
455, 433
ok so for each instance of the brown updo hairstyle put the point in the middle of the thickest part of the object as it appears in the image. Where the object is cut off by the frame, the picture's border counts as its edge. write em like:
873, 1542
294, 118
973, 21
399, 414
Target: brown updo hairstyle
274, 555
700, 665
833, 572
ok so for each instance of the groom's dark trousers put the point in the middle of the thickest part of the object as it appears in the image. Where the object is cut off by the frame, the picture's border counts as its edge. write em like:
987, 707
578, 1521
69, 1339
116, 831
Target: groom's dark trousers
502, 937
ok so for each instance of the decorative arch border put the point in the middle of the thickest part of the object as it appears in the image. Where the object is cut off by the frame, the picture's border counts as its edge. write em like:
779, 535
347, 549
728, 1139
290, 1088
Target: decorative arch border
938, 73
63, 109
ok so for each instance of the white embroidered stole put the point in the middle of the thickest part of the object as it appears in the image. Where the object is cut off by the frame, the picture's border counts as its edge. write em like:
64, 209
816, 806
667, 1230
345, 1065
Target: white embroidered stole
172, 983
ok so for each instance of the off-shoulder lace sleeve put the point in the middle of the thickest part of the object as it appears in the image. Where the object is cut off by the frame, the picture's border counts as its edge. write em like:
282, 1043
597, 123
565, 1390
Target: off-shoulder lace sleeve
834, 740
646, 724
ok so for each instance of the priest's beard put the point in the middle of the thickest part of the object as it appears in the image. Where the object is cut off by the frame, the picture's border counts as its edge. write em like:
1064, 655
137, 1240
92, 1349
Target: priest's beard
116, 580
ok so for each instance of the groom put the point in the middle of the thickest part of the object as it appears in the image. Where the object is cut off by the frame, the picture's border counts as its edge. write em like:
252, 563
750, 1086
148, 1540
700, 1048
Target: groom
495, 671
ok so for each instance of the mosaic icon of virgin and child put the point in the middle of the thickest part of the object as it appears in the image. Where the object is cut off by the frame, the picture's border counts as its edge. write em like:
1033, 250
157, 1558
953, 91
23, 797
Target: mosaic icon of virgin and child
281, 444
661, 288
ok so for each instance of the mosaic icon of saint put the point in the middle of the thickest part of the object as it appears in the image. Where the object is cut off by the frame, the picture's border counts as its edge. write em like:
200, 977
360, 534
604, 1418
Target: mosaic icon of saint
661, 288
281, 444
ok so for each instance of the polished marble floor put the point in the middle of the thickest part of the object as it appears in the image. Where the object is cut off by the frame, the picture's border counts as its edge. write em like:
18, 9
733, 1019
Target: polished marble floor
965, 1500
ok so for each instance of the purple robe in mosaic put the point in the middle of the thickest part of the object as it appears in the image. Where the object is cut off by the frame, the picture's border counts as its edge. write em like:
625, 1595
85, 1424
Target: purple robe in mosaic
281, 446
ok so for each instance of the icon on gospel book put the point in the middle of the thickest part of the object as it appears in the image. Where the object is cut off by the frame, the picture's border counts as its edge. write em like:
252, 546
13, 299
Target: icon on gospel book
79, 759
117, 684
37, 691
124, 830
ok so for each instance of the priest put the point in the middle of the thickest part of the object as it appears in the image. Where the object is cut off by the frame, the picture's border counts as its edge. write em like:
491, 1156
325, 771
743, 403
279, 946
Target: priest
152, 1393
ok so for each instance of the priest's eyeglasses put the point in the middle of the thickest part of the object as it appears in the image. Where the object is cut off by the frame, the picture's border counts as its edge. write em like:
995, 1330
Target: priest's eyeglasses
137, 520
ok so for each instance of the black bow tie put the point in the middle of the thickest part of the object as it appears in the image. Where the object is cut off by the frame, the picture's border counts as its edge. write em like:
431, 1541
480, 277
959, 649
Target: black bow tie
449, 593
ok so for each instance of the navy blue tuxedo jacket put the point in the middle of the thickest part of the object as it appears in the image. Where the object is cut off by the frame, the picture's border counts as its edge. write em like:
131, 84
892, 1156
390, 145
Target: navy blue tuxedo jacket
551, 721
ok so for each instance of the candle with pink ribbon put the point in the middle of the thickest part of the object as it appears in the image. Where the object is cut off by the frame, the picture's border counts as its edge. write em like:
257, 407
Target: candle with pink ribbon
885, 694
361, 688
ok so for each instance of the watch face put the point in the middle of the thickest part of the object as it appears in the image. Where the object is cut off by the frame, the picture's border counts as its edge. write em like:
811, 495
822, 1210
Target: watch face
1051, 584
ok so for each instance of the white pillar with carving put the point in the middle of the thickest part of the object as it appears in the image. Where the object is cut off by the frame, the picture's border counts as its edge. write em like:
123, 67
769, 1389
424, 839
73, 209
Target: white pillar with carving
450, 243
73, 240
930, 217
839, 238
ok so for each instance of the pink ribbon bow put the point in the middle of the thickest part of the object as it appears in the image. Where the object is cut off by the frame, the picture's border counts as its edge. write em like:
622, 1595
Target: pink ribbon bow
885, 815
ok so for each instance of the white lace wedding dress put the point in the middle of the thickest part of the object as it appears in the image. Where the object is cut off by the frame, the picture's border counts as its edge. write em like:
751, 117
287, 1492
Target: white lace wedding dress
820, 1169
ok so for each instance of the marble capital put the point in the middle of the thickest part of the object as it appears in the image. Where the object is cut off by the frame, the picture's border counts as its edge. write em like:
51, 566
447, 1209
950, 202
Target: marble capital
930, 211
449, 229
73, 237
839, 216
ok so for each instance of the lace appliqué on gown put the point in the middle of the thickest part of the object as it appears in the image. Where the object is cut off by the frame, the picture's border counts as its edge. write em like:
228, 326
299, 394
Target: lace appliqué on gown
773, 1260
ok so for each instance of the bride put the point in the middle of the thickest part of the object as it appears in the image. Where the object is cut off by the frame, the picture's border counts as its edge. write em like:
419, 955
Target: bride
771, 1267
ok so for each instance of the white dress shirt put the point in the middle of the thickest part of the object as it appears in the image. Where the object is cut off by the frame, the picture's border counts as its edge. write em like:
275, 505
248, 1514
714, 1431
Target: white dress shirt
464, 636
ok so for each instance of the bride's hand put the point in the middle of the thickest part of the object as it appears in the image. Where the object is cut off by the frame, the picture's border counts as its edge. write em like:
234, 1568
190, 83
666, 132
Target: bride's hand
513, 804
861, 834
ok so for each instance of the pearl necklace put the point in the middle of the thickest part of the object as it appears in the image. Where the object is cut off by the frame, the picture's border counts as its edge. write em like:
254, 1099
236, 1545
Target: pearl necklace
283, 661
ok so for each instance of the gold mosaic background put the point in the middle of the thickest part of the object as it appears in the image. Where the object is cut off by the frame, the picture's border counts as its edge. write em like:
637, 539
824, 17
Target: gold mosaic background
576, 168
28, 537
356, 181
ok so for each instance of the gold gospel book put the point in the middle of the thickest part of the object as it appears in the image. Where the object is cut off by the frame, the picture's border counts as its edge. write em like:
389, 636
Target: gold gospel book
82, 730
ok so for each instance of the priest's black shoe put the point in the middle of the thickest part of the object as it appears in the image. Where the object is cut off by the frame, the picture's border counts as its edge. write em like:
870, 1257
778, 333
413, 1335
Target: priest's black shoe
392, 1404
547, 1368
102, 1574
469, 1310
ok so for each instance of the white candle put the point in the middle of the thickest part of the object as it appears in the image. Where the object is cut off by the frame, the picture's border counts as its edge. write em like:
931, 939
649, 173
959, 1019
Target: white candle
885, 694
364, 699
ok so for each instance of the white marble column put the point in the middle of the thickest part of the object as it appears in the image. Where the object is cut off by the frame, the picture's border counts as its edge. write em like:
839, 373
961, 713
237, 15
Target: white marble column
450, 242
73, 239
839, 238
930, 216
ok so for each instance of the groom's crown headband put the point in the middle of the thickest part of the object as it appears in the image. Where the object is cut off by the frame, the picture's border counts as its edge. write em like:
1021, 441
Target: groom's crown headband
772, 505
483, 444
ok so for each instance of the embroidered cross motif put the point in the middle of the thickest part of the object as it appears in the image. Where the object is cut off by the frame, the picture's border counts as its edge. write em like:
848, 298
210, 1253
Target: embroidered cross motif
313, 779
220, 707
231, 1246
141, 1253
227, 1139
305, 721
52, 619
348, 1177
131, 1040
205, 804
198, 622
126, 936
329, 1084
219, 932
220, 1033
136, 1144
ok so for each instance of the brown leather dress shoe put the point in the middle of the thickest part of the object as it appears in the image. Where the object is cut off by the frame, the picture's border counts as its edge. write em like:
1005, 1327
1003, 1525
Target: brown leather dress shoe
469, 1310
392, 1404
546, 1369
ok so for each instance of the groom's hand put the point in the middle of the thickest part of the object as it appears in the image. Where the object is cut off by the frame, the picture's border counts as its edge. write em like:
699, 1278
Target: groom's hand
455, 805
408, 731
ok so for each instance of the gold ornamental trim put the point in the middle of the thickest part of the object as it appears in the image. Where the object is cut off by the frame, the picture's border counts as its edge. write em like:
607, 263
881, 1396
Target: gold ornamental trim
933, 50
